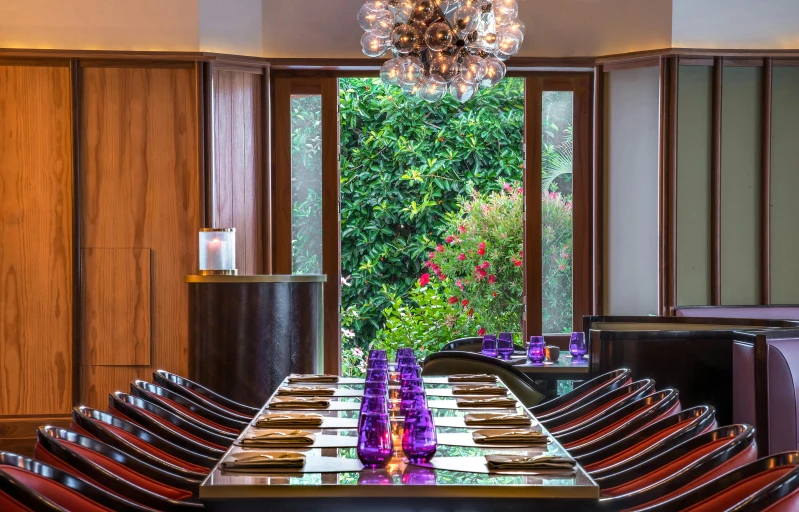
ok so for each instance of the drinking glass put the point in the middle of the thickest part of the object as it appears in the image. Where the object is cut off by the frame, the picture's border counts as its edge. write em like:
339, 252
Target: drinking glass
378, 375
537, 349
406, 360
378, 354
412, 399
505, 345
375, 445
411, 383
410, 372
577, 346
405, 352
375, 388
419, 440
374, 403
490, 345
377, 364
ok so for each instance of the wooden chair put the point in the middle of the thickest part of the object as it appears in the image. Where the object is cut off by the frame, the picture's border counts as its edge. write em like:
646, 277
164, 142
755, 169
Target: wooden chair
582, 393
474, 345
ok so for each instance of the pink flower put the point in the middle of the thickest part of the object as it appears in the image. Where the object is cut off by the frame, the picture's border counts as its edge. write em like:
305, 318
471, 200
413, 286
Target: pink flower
562, 267
485, 265
453, 300
442, 276
431, 255
508, 188
424, 280
568, 205
481, 249
470, 312
450, 239
492, 279
495, 294
517, 263
462, 229
485, 208
440, 248
481, 331
465, 302
428, 263
553, 195
461, 257
519, 190
459, 284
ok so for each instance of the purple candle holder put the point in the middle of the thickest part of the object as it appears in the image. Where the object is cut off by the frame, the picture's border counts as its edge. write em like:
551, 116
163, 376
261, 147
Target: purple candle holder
505, 345
411, 383
375, 388
405, 361
373, 403
410, 372
378, 375
378, 354
536, 350
577, 346
377, 364
419, 441
412, 399
405, 352
490, 345
375, 445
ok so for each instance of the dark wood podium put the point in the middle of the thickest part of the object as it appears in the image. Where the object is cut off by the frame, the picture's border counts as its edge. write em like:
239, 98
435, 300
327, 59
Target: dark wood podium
247, 333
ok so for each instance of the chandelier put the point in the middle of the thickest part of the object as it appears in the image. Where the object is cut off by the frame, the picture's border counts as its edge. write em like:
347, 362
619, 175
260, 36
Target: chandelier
442, 45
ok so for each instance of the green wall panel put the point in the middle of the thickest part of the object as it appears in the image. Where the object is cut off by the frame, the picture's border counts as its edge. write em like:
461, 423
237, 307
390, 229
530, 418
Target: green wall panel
785, 186
694, 144
740, 185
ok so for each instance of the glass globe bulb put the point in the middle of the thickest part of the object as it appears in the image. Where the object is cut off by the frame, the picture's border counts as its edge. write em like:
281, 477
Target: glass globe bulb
448, 6
402, 10
433, 88
411, 70
472, 69
439, 36
494, 72
369, 15
373, 45
506, 9
509, 41
411, 89
424, 11
466, 19
462, 90
445, 66
389, 73
406, 38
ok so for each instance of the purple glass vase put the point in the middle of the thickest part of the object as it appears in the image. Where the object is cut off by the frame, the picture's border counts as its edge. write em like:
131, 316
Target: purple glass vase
411, 383
536, 350
505, 345
374, 403
405, 352
405, 361
419, 442
577, 346
410, 372
378, 375
375, 388
377, 364
490, 345
412, 399
378, 355
375, 445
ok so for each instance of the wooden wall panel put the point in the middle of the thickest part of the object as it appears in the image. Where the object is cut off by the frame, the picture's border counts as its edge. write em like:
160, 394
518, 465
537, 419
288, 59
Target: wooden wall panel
140, 188
36, 240
238, 164
115, 287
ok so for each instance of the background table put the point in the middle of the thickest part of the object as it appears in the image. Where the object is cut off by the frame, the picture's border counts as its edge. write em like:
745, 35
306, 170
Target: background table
564, 369
400, 486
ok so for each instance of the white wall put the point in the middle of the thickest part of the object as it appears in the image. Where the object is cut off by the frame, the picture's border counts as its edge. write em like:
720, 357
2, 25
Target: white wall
736, 24
631, 195
555, 28
231, 26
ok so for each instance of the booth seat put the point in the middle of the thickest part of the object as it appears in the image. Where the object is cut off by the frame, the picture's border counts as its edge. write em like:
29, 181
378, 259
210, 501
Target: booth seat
785, 312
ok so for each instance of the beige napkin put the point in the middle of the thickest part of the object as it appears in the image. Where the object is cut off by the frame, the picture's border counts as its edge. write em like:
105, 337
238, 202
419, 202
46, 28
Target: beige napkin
505, 403
471, 377
538, 462
289, 420
278, 437
299, 377
263, 461
509, 436
479, 390
306, 391
299, 403
487, 419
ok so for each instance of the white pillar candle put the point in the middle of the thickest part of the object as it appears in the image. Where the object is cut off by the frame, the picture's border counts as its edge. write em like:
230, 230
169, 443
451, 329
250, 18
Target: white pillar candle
215, 259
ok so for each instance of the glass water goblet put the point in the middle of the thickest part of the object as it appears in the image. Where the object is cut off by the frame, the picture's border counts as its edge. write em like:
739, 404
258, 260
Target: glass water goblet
419, 441
577, 346
489, 345
505, 345
375, 444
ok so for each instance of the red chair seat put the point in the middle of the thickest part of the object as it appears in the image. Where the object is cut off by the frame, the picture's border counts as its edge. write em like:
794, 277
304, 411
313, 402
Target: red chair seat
739, 492
9, 504
592, 415
191, 414
169, 426
54, 491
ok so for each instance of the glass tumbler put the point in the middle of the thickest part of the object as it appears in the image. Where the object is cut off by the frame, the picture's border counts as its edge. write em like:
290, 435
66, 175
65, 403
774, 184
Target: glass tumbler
419, 442
505, 345
537, 349
577, 346
375, 445
490, 345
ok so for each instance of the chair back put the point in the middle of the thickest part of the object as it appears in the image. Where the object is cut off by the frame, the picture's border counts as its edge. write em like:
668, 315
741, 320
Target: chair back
689, 464
187, 408
451, 363
649, 441
161, 421
604, 403
112, 469
41, 487
206, 397
473, 344
141, 443
621, 423
583, 393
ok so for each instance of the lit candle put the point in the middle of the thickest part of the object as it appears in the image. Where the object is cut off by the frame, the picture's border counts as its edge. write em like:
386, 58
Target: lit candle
214, 258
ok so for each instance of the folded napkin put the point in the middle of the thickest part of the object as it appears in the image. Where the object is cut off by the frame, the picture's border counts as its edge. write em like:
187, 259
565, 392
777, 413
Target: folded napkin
297, 420
487, 419
299, 377
479, 390
263, 461
299, 403
509, 436
537, 462
505, 403
306, 391
278, 437
471, 377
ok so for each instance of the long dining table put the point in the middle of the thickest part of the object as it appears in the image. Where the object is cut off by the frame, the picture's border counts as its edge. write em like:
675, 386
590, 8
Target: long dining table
456, 479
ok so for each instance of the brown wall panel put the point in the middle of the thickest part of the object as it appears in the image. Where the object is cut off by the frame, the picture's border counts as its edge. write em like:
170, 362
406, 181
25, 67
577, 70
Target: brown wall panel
238, 165
97, 382
140, 189
36, 240
115, 287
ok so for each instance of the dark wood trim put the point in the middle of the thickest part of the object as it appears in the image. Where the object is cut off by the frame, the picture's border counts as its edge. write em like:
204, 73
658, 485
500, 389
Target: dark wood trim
533, 304
765, 186
331, 225
743, 62
50, 63
669, 76
238, 68
643, 62
18, 433
77, 298
150, 64
599, 191
715, 179
266, 157
206, 126
672, 182
281, 190
761, 393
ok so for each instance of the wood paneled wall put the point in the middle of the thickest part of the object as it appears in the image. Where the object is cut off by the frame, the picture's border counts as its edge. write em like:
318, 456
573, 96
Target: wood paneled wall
140, 189
36, 240
238, 163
